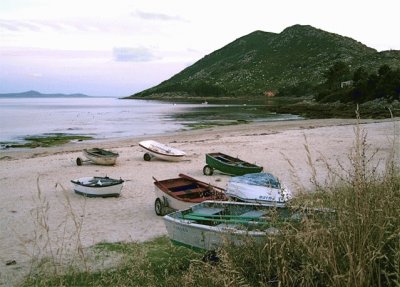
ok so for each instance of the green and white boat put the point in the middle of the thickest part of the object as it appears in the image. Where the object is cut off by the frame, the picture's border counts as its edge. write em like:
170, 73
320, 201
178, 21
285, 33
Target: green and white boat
228, 164
210, 224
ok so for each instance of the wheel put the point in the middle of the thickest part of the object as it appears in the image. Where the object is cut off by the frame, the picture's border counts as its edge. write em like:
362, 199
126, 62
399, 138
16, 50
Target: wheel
147, 157
159, 207
78, 161
208, 170
211, 257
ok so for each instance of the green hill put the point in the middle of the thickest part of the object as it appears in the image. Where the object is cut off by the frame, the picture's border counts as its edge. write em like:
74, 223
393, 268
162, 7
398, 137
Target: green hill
262, 61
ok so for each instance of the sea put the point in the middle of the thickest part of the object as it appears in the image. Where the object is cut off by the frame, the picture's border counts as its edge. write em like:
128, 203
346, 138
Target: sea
100, 118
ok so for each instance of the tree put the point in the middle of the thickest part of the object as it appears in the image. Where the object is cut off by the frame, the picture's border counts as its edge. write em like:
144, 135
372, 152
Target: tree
384, 70
336, 74
388, 85
360, 75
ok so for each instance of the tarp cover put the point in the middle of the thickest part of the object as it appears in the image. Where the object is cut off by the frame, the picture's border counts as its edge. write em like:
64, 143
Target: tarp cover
259, 179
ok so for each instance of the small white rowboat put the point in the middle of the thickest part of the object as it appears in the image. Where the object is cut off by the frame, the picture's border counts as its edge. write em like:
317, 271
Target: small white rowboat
98, 186
160, 151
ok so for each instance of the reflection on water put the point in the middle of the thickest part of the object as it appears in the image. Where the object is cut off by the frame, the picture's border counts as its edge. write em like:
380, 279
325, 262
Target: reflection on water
98, 117
228, 114
105, 118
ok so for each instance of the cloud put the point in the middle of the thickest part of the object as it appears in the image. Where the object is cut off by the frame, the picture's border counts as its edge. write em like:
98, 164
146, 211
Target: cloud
36, 75
38, 56
69, 25
15, 25
126, 54
156, 16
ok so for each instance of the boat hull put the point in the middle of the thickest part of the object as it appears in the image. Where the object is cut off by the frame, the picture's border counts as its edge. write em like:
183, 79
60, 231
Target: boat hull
165, 157
82, 187
101, 157
230, 165
259, 187
259, 194
171, 202
199, 237
183, 192
161, 151
206, 237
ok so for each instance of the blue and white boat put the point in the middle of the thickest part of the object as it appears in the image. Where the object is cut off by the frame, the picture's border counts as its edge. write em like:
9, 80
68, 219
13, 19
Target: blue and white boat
258, 187
98, 186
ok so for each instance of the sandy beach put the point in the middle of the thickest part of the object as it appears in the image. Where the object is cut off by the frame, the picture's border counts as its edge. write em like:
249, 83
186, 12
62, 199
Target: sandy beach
40, 177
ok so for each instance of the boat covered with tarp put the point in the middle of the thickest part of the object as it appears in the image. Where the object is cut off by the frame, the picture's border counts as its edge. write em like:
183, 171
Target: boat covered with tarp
258, 187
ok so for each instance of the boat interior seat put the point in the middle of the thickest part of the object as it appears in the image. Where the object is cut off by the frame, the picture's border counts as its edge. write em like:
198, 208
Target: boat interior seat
221, 158
184, 187
188, 192
208, 211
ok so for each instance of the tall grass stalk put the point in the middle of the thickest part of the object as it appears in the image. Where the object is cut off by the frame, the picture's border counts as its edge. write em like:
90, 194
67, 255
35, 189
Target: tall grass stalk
50, 248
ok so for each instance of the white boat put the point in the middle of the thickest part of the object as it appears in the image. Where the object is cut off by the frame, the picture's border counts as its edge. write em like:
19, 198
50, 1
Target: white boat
257, 187
210, 224
98, 156
160, 151
98, 186
183, 192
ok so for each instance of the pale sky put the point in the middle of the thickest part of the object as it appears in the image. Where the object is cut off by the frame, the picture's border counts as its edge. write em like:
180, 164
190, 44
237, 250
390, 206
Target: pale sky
120, 47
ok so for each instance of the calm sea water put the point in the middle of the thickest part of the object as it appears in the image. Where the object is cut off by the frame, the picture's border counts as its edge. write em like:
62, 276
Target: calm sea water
102, 118
107, 118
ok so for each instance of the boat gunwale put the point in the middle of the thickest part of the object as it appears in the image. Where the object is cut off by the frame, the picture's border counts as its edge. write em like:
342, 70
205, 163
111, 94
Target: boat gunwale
213, 228
116, 182
100, 154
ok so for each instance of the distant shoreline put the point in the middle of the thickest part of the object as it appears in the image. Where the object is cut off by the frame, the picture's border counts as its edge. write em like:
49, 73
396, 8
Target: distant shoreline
35, 94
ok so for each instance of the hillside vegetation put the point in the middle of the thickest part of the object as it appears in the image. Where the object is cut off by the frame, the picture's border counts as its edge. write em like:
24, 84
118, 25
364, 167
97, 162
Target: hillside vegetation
291, 63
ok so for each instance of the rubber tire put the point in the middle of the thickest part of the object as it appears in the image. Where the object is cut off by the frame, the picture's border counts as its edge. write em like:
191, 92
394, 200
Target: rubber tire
211, 257
208, 170
159, 207
147, 157
78, 161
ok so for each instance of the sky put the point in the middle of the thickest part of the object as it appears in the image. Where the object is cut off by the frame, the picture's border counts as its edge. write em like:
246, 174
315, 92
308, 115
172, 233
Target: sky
121, 47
